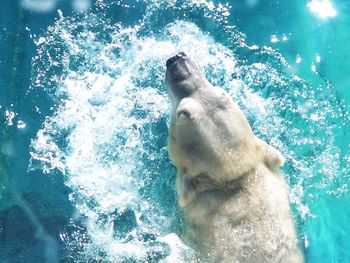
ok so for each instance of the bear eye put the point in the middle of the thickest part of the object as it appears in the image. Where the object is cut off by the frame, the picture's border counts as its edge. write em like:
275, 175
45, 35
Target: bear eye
183, 113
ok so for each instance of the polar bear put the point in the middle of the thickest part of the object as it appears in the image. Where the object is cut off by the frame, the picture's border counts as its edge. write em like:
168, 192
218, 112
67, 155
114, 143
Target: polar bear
233, 197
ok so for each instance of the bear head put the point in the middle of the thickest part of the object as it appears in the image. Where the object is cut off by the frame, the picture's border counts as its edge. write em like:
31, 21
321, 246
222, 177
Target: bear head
210, 140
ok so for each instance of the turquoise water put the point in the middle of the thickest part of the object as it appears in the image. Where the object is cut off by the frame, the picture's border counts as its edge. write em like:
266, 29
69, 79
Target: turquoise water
85, 170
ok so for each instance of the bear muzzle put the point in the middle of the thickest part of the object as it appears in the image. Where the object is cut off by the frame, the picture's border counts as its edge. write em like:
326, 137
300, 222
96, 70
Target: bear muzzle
171, 60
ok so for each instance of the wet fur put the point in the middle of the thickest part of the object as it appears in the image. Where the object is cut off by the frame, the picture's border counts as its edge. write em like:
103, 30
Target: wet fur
234, 198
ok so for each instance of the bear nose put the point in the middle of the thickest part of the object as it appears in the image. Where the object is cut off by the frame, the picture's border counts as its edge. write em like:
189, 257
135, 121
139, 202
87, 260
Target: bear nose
174, 58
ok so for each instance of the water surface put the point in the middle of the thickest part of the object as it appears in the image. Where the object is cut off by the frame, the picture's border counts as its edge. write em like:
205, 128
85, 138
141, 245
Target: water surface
85, 170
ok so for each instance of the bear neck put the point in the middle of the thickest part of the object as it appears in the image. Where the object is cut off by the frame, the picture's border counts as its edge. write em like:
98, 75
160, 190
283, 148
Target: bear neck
225, 191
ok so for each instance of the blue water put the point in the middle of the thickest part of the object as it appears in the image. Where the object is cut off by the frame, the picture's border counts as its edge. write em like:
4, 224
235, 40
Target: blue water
85, 172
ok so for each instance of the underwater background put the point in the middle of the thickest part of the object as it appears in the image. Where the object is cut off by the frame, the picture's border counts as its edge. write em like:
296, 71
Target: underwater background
84, 169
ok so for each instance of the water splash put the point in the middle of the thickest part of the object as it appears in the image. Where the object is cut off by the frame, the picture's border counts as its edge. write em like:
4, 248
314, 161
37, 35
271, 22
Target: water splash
108, 131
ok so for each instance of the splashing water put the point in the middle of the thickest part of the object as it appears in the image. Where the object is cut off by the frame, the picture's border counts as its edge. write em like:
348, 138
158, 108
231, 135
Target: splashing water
108, 132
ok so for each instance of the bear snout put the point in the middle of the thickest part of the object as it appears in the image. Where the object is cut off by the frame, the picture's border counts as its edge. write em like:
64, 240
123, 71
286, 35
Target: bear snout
171, 60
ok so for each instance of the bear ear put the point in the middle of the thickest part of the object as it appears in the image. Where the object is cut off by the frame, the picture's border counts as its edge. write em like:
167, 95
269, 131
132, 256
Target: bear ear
270, 155
184, 190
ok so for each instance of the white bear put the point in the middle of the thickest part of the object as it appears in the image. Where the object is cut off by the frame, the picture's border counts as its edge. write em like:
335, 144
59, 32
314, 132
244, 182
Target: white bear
234, 199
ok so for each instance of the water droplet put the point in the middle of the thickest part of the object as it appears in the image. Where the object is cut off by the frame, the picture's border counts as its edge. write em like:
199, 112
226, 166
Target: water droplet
298, 59
318, 58
21, 124
274, 39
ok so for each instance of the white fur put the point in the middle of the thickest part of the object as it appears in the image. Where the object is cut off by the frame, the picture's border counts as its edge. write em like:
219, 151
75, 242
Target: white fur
235, 200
